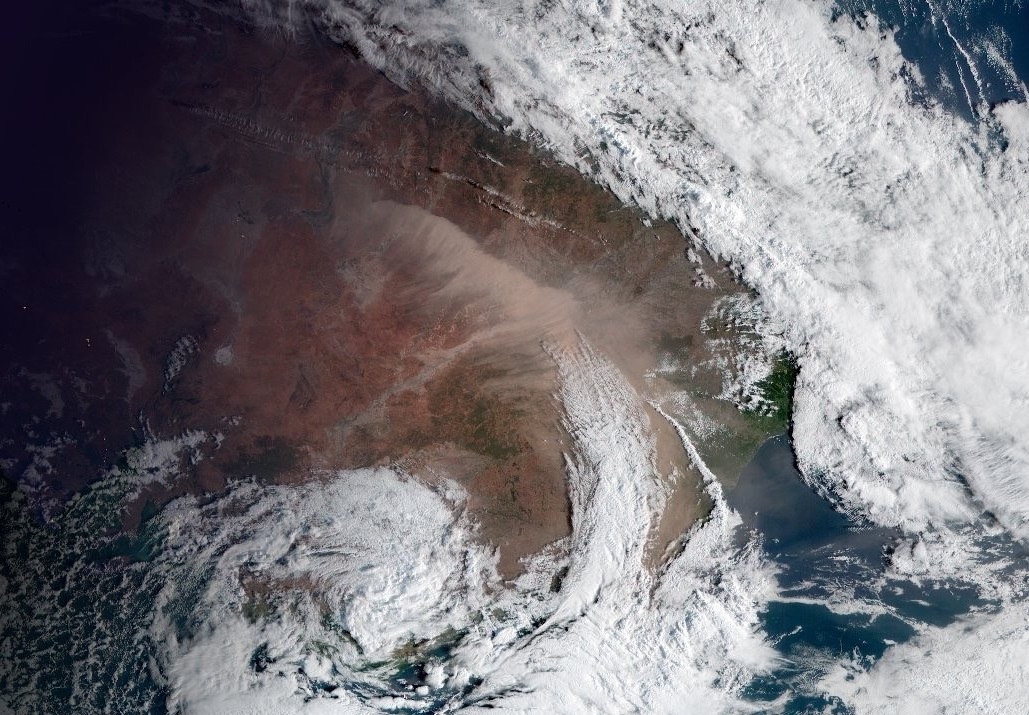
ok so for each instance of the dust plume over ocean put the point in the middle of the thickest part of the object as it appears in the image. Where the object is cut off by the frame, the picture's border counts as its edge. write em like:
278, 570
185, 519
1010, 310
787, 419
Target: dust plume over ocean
876, 203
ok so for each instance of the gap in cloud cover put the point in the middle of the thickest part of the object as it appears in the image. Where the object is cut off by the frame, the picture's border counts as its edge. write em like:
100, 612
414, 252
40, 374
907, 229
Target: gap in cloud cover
966, 53
882, 236
296, 598
877, 211
277, 588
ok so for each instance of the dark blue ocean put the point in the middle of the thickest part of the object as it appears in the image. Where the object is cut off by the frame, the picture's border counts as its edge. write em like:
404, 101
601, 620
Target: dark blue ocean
823, 556
836, 601
951, 42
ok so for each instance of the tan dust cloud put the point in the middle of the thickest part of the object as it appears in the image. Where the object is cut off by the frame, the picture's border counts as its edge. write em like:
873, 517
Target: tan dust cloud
501, 318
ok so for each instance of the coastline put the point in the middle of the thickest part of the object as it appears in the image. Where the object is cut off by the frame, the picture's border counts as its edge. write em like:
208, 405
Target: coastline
285, 194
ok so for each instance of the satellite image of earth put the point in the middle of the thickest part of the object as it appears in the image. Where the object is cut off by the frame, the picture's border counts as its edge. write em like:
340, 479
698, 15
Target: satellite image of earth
534, 356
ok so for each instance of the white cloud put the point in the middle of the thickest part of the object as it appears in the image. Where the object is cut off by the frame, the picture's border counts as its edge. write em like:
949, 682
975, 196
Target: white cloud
886, 240
393, 562
977, 665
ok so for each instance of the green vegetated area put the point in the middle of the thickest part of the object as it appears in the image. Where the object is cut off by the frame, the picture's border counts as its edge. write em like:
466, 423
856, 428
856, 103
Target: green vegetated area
741, 429
768, 415
774, 407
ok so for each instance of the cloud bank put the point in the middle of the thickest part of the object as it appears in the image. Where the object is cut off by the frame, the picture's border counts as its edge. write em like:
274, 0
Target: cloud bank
885, 237
367, 592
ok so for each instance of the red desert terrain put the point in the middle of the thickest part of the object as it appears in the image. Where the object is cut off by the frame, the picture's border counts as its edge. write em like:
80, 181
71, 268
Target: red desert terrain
265, 239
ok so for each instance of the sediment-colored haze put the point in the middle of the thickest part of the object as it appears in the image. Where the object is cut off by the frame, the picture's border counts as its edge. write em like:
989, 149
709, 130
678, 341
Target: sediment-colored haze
271, 242
329, 384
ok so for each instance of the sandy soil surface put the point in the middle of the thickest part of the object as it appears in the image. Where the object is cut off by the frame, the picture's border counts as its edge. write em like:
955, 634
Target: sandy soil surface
265, 239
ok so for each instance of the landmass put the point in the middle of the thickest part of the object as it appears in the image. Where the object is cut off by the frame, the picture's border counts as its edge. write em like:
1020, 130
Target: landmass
262, 240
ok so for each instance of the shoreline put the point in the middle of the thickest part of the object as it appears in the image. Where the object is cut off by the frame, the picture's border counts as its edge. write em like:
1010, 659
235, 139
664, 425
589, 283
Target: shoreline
290, 216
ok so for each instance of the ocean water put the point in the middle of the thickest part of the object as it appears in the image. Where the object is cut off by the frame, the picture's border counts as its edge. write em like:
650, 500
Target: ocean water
880, 227
841, 600
968, 52
160, 620
298, 599
837, 599
867, 183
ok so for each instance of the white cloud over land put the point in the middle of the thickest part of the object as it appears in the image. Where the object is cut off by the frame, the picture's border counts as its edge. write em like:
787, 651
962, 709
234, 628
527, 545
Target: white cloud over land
886, 238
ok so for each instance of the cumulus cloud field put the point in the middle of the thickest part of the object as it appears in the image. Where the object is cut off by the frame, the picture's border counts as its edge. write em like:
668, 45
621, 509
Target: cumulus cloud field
885, 237
884, 233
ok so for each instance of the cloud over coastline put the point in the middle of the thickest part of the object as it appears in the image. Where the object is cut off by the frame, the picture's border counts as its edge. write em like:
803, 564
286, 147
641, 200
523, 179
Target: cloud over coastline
885, 237
298, 599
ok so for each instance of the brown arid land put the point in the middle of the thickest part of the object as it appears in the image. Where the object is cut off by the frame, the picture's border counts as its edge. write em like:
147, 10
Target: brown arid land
261, 237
